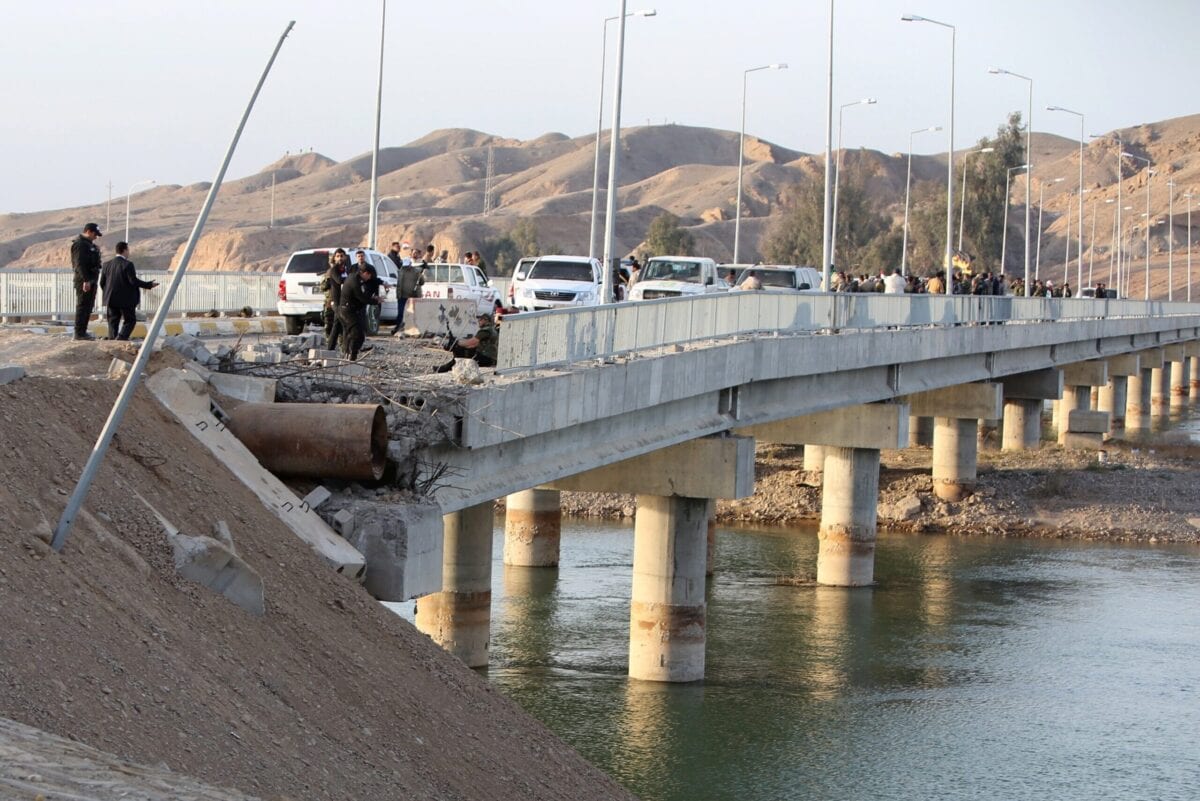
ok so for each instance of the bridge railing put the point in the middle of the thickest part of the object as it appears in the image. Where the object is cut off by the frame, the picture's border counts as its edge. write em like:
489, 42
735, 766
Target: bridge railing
51, 293
564, 336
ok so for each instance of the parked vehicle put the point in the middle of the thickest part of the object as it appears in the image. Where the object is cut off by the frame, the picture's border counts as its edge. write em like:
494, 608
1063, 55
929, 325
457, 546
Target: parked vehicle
554, 282
520, 272
460, 281
301, 299
676, 276
778, 277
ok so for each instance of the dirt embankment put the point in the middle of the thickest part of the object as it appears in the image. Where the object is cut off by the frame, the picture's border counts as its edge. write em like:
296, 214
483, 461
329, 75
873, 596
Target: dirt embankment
327, 696
1139, 493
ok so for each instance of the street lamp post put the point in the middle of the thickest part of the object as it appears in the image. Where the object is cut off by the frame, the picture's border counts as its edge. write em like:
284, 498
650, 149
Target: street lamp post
949, 151
371, 223
1004, 230
379, 202
649, 12
962, 212
1170, 240
837, 173
1189, 241
1149, 174
1037, 261
1067, 257
826, 256
127, 197
907, 185
614, 152
737, 220
1079, 272
1028, 158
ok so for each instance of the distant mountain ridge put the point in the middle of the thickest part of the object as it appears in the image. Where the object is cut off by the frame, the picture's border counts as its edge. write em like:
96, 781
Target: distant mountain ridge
433, 190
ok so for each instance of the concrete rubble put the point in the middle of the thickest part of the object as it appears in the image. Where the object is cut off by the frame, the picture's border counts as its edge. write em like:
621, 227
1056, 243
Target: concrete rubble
10, 373
402, 543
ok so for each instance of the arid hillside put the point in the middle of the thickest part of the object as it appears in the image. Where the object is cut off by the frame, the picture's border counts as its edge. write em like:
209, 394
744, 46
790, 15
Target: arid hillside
435, 189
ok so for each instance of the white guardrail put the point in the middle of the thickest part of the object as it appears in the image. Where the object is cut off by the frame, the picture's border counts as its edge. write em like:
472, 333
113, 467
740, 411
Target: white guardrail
51, 293
563, 336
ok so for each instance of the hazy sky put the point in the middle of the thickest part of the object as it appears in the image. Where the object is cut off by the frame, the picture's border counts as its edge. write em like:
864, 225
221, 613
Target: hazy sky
126, 90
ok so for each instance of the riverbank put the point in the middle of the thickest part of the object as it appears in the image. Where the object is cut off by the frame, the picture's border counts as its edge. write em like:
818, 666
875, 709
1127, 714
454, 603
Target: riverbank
1138, 493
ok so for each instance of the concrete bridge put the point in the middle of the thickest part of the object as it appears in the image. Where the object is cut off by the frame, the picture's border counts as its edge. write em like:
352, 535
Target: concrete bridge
666, 400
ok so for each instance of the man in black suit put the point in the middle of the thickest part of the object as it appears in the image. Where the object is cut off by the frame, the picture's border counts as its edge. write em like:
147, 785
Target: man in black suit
122, 293
85, 263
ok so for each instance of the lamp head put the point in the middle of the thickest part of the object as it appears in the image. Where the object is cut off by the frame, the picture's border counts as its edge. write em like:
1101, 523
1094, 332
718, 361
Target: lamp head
996, 71
779, 66
912, 18
867, 101
934, 128
986, 150
647, 12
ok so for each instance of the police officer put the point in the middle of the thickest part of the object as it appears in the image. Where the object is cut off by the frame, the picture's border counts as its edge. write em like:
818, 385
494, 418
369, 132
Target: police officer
332, 282
85, 263
359, 291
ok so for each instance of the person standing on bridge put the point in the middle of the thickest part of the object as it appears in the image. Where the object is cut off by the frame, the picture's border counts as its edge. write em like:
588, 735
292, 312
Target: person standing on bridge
122, 293
85, 263
410, 279
331, 285
358, 292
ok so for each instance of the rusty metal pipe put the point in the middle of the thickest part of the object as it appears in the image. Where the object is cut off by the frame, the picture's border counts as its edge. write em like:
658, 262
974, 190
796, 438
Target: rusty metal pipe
315, 440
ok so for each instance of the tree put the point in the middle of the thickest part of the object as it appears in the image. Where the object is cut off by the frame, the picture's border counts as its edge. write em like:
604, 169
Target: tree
797, 237
666, 237
525, 236
984, 218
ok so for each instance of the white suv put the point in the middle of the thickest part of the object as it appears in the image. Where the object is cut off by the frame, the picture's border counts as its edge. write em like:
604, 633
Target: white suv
555, 282
301, 299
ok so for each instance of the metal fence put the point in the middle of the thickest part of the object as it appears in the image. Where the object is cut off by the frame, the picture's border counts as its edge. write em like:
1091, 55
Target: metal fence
563, 336
51, 293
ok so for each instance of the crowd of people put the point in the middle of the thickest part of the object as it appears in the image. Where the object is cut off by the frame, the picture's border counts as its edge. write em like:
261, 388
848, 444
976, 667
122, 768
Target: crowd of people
984, 283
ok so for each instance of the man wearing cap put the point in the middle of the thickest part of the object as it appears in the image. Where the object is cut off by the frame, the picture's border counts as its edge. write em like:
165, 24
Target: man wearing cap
85, 263
482, 347
122, 293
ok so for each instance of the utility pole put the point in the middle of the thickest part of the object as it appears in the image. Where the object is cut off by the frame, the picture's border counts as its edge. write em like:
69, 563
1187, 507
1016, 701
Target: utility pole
488, 180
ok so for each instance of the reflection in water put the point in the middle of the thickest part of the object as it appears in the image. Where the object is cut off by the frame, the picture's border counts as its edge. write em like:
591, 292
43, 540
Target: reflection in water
978, 668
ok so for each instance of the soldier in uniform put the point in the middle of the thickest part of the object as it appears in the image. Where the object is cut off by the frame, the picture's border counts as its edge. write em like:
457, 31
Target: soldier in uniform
483, 347
332, 282
359, 291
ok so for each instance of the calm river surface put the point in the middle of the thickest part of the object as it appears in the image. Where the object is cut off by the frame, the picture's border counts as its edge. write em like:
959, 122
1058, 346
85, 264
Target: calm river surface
976, 669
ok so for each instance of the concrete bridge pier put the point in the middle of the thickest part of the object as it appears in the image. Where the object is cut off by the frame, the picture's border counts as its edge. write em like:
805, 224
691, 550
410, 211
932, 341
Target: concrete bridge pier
852, 438
814, 459
459, 617
674, 488
1113, 395
1024, 396
532, 528
1073, 399
1179, 384
667, 613
1022, 424
1137, 402
957, 412
710, 550
920, 431
849, 501
1079, 426
1160, 390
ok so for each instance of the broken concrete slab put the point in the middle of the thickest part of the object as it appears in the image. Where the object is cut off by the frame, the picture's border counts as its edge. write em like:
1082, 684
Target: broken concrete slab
317, 498
10, 373
244, 387
402, 545
210, 563
117, 370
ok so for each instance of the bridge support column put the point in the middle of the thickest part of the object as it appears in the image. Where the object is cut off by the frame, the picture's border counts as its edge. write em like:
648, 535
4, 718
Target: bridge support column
1073, 399
814, 459
1056, 414
1194, 380
955, 457
1179, 383
1137, 402
459, 617
1022, 424
990, 433
532, 528
920, 431
710, 550
846, 556
666, 625
1160, 390
1112, 398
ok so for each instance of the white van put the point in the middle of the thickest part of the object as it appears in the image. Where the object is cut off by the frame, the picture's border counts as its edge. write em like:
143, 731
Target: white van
301, 299
555, 282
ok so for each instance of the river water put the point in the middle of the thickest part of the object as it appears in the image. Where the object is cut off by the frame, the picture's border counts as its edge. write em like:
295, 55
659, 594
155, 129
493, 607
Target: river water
975, 669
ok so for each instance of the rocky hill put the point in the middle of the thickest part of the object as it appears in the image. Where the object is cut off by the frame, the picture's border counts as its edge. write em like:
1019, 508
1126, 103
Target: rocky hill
433, 191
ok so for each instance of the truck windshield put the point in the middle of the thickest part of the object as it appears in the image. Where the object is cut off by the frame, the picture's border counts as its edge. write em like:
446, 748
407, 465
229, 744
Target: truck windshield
667, 270
783, 278
550, 270
311, 263
444, 274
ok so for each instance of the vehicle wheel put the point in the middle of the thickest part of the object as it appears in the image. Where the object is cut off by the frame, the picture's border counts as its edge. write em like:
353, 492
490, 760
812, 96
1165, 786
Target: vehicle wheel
294, 324
372, 320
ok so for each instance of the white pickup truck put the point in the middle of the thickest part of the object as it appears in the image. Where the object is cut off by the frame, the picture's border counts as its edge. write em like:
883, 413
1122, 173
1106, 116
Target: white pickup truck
555, 282
676, 276
460, 281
